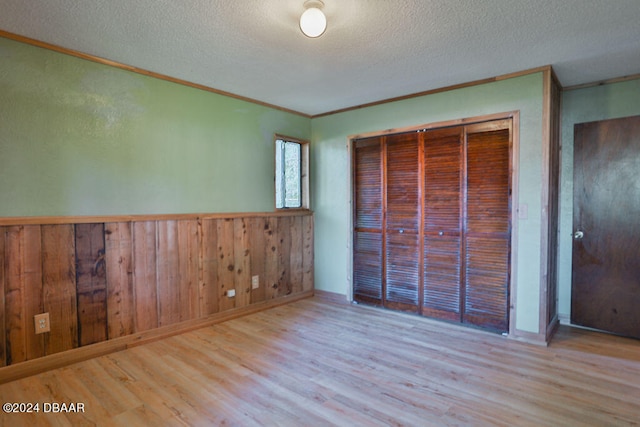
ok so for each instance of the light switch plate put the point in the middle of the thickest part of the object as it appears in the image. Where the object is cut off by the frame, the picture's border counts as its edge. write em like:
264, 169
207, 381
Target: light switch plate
523, 211
255, 282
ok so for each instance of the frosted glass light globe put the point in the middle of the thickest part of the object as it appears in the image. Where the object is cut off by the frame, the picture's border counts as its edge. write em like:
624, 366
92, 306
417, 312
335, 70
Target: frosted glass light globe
313, 23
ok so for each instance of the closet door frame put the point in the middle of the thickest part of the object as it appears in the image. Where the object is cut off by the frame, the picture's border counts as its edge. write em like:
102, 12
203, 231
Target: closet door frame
513, 173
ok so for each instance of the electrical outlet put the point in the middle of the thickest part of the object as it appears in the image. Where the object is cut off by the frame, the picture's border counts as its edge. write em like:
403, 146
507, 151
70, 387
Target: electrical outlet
231, 293
255, 282
41, 322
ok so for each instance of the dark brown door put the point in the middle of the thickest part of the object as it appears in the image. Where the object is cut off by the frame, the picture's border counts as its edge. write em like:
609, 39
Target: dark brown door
605, 291
402, 234
443, 207
367, 238
487, 226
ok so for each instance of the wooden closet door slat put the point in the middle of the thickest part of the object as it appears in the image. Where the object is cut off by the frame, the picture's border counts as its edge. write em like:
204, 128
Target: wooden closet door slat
367, 239
402, 222
488, 182
402, 182
443, 180
487, 242
442, 222
367, 266
368, 184
402, 270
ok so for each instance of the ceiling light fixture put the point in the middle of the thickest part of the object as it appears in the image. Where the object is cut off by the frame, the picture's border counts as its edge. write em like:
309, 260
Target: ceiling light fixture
313, 23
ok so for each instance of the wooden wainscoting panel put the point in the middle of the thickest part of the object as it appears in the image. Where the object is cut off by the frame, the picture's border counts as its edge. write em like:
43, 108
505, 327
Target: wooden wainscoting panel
296, 255
59, 287
31, 367
284, 261
23, 293
167, 265
32, 289
209, 268
272, 248
187, 254
242, 262
120, 295
257, 242
132, 277
91, 283
226, 266
145, 275
307, 253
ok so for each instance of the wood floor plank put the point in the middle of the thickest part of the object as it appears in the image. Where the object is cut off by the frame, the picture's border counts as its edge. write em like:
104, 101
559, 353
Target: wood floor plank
316, 362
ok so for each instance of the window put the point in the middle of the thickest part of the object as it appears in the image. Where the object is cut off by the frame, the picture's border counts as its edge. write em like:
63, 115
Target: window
292, 177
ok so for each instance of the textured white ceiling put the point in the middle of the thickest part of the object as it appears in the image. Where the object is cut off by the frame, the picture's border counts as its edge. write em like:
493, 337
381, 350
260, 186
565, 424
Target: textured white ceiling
372, 49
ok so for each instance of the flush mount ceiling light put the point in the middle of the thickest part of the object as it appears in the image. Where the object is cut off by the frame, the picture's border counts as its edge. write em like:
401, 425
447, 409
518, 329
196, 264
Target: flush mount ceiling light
313, 23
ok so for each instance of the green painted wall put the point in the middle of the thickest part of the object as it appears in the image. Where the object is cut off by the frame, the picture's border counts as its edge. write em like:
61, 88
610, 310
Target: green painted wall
81, 138
579, 106
331, 170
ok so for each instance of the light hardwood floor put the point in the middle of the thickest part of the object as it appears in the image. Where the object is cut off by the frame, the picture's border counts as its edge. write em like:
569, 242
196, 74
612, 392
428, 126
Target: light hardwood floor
316, 363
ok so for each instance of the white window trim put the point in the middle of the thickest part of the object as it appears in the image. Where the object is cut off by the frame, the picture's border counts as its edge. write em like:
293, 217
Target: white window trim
304, 171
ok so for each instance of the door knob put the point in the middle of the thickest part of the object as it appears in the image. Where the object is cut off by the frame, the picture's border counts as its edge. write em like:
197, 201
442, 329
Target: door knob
578, 235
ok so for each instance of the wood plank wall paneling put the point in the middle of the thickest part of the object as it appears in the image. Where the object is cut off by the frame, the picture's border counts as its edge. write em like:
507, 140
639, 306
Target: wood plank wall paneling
23, 293
241, 252
284, 240
258, 250
119, 254
145, 275
209, 267
307, 253
91, 283
59, 287
31, 287
14, 305
296, 258
226, 264
168, 303
104, 280
271, 258
187, 254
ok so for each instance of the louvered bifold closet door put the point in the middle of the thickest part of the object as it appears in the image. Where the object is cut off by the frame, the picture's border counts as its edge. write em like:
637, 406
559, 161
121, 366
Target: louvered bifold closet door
402, 234
486, 245
367, 253
442, 222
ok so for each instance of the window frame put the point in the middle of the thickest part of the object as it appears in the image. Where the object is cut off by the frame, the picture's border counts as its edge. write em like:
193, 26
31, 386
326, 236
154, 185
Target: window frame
304, 173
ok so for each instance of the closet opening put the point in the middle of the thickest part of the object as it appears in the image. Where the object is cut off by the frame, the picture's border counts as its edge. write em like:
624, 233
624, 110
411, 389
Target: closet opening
433, 220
